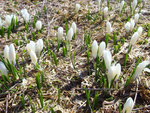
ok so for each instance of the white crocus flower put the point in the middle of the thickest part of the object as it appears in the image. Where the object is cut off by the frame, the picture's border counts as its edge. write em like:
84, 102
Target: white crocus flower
23, 11
25, 15
6, 52
136, 17
108, 27
122, 5
60, 33
101, 49
3, 69
94, 48
140, 68
99, 4
134, 3
70, 34
77, 7
128, 106
140, 30
12, 54
39, 47
24, 82
8, 19
134, 38
38, 25
30, 46
1, 23
132, 24
105, 12
114, 71
33, 57
127, 26
74, 27
107, 58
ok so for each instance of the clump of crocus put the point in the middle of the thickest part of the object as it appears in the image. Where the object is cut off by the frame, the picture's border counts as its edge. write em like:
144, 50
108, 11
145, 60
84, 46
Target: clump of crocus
136, 17
77, 7
74, 27
70, 34
122, 5
114, 72
3, 69
134, 4
60, 33
25, 15
38, 25
94, 48
35, 47
140, 30
6, 52
140, 68
107, 58
33, 57
134, 38
127, 26
9, 18
105, 12
128, 106
109, 29
12, 54
38, 47
102, 47
99, 4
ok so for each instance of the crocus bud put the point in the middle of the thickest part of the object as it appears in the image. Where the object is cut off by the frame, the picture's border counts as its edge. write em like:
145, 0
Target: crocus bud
121, 5
127, 26
39, 47
132, 24
114, 71
8, 20
107, 58
134, 38
134, 4
74, 27
140, 68
140, 30
136, 17
1, 24
60, 33
101, 49
99, 4
25, 15
6, 52
3, 69
70, 34
30, 46
105, 12
94, 48
108, 27
77, 7
12, 54
128, 106
33, 57
38, 25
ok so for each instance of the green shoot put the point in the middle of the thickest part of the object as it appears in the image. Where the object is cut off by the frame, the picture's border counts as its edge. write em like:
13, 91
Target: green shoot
22, 101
